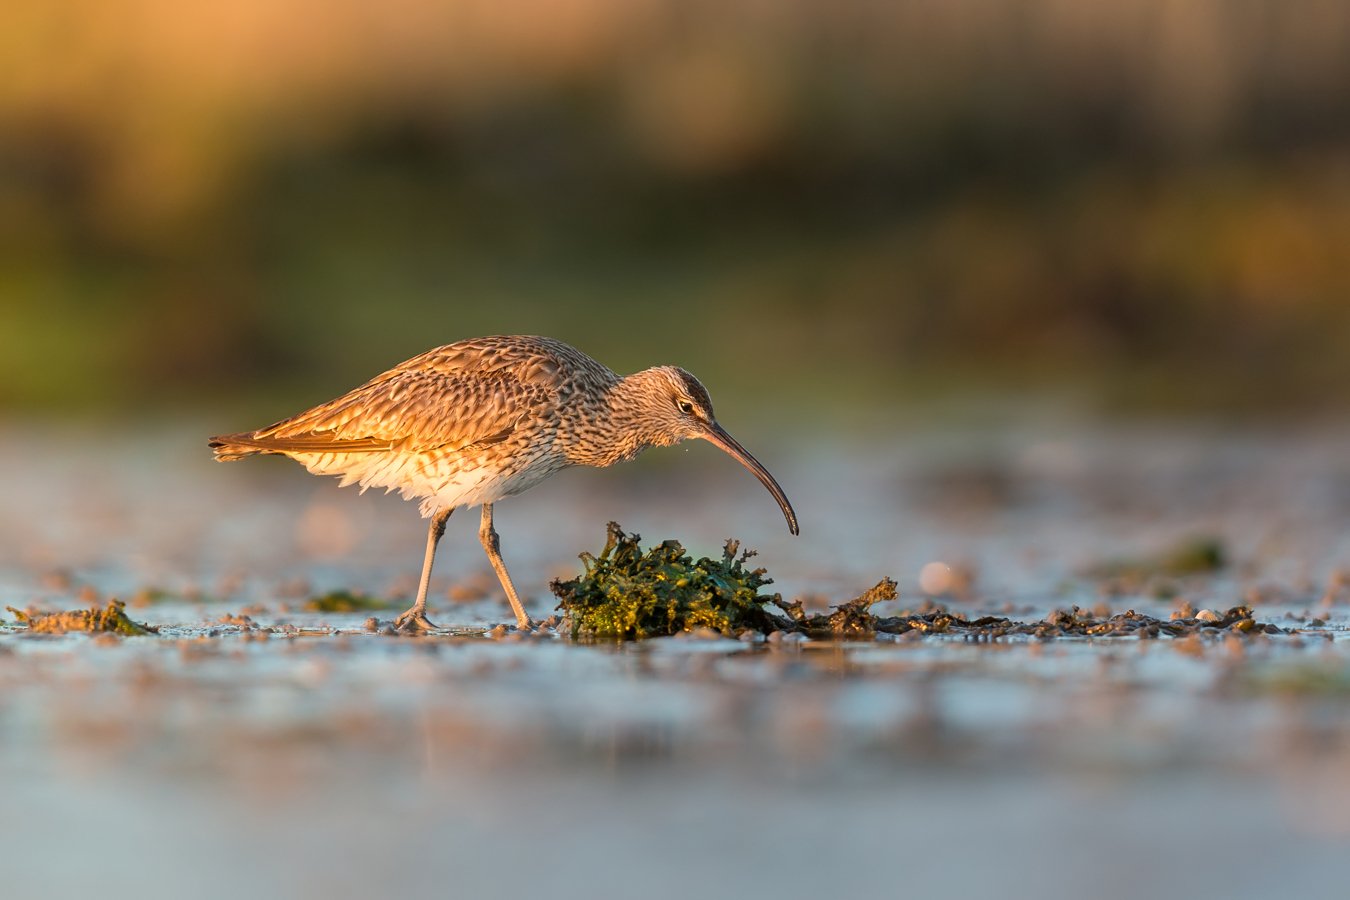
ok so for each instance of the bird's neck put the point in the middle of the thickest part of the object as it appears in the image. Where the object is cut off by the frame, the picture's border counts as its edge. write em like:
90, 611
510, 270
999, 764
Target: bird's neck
616, 429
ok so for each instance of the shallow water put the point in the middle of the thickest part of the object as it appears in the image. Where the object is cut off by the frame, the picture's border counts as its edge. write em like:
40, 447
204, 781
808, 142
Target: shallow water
307, 756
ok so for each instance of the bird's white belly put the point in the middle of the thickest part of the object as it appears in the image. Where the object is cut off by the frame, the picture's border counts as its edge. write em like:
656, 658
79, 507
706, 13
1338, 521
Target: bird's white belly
439, 482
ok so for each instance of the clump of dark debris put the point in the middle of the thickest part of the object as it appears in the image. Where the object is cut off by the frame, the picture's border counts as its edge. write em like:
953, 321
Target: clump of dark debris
625, 593
851, 619
1077, 623
112, 618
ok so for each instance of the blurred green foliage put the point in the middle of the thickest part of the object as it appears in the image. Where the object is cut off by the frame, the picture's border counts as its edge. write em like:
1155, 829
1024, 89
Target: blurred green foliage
1145, 200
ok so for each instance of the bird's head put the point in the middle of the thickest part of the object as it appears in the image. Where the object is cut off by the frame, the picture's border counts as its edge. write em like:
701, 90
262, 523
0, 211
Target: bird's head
673, 406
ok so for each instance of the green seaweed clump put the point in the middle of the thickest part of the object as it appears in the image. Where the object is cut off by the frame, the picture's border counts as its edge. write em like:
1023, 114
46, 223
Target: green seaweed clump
628, 594
112, 618
344, 602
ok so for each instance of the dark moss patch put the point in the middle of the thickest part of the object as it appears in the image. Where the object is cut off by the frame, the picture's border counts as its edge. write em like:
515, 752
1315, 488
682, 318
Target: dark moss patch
345, 602
112, 618
626, 593
150, 596
1155, 574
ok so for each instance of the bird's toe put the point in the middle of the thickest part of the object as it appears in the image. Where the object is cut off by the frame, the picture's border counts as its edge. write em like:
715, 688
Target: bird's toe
414, 621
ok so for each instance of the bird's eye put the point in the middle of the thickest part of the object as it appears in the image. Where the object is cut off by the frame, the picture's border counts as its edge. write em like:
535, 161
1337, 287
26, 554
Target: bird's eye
685, 407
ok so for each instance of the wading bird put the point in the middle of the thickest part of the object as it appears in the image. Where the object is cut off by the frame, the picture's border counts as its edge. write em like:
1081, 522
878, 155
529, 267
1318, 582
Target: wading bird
475, 421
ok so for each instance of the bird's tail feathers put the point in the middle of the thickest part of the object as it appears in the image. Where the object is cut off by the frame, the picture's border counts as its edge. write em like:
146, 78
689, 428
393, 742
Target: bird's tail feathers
236, 446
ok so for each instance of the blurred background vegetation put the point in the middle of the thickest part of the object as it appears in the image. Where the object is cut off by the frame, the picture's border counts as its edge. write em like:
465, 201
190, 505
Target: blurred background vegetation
1143, 202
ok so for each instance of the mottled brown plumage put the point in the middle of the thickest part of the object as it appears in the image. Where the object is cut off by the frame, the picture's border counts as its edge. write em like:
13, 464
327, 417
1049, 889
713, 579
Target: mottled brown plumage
470, 423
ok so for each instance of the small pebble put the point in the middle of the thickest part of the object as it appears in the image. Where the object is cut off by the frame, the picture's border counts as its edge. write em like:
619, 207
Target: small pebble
372, 624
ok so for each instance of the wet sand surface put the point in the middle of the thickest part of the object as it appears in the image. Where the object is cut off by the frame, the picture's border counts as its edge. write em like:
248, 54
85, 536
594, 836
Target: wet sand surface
253, 748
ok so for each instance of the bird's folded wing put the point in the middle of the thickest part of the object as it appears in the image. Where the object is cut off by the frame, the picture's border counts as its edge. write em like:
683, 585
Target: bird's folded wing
411, 410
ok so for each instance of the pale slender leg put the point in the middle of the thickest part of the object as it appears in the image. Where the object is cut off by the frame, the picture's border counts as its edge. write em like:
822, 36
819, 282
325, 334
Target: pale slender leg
416, 619
488, 535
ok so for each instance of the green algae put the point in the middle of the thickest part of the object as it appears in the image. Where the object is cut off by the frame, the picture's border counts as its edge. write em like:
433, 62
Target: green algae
111, 619
1196, 555
345, 602
150, 596
628, 594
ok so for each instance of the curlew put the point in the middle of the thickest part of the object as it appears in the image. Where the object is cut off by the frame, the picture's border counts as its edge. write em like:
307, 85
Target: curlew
472, 422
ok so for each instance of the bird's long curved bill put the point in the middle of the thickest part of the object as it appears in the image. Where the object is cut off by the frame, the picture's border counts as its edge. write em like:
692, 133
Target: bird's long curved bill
718, 437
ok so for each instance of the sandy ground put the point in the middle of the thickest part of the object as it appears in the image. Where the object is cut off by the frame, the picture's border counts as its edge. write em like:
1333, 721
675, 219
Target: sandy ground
296, 754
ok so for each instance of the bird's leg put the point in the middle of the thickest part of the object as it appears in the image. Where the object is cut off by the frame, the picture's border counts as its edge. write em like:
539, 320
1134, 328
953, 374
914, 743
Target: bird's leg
416, 619
488, 535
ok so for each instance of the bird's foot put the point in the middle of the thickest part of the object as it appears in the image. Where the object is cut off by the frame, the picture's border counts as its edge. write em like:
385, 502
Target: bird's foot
525, 624
414, 620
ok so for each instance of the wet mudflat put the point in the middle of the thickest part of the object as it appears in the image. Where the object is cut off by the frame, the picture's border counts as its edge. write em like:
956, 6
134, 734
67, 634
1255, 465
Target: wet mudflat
270, 740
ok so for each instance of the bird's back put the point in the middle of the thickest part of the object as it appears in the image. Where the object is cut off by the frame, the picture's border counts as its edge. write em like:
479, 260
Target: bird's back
461, 424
